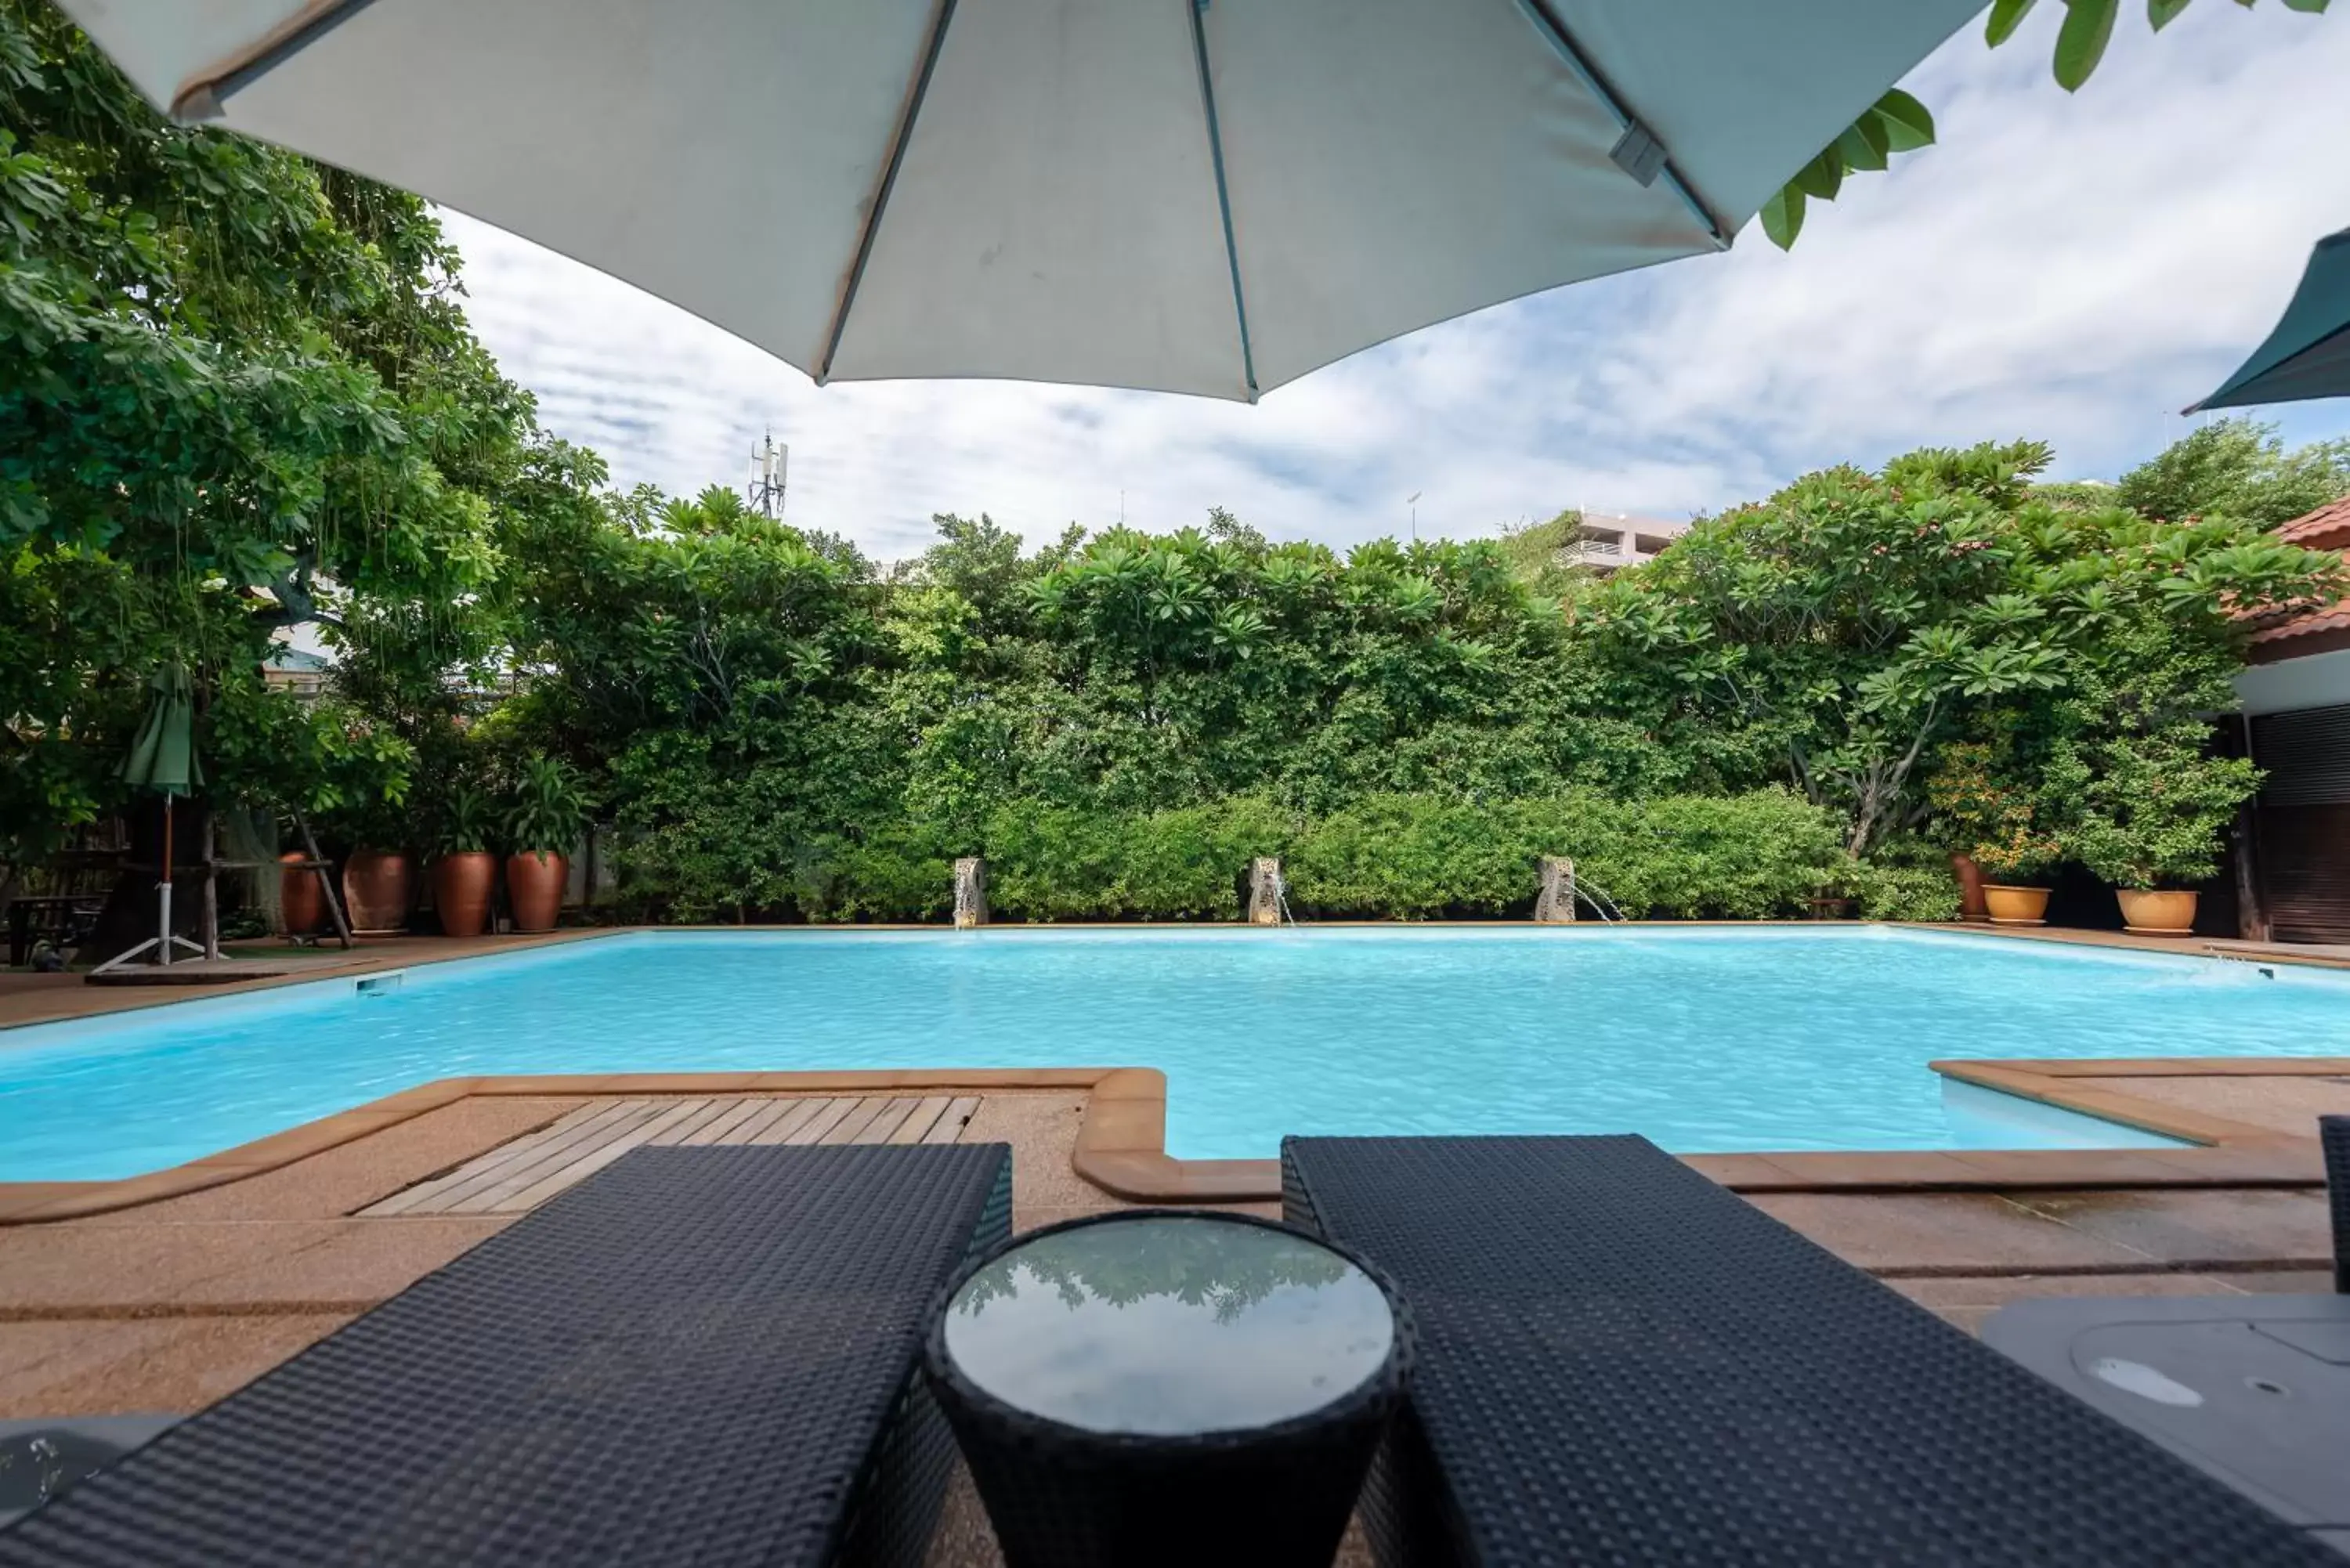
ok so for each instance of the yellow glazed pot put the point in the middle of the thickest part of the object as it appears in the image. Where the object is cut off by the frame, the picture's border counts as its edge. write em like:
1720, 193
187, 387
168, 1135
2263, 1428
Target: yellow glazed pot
2156, 914
2016, 906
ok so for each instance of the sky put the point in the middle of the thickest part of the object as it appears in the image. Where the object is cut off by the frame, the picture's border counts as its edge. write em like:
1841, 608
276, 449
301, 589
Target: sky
2073, 268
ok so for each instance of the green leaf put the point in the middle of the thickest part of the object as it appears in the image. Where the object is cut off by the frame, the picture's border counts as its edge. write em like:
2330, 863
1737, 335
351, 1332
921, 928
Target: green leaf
1907, 123
1822, 176
1864, 144
2081, 42
2311, 6
2162, 13
1783, 216
2006, 16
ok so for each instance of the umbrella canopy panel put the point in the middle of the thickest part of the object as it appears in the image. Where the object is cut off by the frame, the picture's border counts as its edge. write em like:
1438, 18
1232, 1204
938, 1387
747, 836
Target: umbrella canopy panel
163, 754
1173, 195
2308, 354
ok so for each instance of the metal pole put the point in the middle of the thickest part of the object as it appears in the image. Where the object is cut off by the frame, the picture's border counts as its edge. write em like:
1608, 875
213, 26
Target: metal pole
163, 888
212, 889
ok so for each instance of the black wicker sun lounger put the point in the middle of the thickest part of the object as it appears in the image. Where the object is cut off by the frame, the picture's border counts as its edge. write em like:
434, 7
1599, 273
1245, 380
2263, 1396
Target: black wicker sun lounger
1622, 1363
700, 1355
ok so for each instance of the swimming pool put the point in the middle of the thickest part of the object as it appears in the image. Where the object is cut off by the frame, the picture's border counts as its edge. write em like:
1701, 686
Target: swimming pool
1704, 1038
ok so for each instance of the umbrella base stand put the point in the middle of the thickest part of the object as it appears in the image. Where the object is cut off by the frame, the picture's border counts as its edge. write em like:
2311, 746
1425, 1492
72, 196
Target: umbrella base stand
161, 946
128, 957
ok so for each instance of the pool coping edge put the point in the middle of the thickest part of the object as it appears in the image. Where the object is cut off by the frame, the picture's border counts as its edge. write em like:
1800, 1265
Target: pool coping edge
1122, 1136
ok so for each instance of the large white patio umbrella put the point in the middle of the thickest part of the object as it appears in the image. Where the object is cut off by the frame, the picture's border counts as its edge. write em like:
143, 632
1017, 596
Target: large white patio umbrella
1208, 196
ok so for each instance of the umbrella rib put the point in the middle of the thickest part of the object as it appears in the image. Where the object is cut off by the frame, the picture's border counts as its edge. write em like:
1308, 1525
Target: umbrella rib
200, 98
1637, 134
907, 115
1223, 191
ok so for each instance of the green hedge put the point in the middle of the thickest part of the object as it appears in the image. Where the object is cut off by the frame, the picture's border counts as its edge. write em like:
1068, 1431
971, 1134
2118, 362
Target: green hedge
1749, 857
1059, 864
1408, 856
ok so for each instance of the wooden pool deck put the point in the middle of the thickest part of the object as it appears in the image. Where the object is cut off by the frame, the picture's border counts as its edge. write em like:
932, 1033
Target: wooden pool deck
518, 1176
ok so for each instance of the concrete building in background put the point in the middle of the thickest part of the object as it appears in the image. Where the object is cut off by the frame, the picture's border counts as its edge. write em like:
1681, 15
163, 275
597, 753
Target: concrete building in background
1606, 541
296, 669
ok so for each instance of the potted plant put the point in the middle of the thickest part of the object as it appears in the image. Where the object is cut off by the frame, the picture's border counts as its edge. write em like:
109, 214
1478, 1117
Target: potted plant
2153, 805
362, 772
547, 814
1969, 805
379, 881
2017, 850
464, 871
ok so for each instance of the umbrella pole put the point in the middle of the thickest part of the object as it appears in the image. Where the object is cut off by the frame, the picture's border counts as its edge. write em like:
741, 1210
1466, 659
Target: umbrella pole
211, 888
163, 888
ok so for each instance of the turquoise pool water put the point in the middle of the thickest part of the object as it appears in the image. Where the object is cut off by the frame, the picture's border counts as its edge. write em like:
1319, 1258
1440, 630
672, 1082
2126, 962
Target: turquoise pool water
1703, 1038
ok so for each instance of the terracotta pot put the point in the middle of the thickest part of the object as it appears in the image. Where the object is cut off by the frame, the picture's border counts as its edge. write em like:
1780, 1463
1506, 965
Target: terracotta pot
2015, 906
2150, 913
534, 887
301, 899
461, 886
1971, 888
375, 890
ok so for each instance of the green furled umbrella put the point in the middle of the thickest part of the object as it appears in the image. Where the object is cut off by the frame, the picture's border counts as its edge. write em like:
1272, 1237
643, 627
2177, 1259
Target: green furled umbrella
163, 759
2308, 355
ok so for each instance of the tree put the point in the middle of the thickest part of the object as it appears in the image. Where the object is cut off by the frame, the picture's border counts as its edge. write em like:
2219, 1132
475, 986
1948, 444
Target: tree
237, 395
1856, 621
2236, 468
1899, 123
2131, 774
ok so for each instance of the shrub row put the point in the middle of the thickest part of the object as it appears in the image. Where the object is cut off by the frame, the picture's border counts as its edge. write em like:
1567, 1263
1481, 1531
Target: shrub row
1411, 857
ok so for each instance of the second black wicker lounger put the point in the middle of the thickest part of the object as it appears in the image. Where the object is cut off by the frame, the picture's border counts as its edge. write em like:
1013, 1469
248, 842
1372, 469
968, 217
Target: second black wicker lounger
700, 1355
1622, 1363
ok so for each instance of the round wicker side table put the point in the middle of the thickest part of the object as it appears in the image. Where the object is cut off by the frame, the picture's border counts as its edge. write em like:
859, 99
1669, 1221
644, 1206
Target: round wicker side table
1169, 1388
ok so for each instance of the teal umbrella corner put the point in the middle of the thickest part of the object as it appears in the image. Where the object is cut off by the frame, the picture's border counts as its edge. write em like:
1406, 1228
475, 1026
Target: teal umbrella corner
2308, 354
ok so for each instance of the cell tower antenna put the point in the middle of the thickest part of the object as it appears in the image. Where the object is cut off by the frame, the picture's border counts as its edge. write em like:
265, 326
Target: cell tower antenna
770, 468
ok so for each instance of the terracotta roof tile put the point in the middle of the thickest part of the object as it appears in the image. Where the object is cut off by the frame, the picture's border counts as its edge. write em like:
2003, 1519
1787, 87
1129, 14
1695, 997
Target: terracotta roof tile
2327, 528
2297, 631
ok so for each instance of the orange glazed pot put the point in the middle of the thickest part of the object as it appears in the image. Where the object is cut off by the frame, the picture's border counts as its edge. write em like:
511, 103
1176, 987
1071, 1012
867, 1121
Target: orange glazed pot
2015, 906
2156, 914
375, 890
534, 887
461, 886
301, 900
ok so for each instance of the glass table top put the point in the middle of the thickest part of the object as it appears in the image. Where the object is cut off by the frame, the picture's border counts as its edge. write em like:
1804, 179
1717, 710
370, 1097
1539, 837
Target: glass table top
1169, 1326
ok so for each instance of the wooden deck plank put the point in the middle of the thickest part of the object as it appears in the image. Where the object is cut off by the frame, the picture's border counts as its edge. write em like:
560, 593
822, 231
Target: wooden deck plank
920, 1119
579, 1171
797, 1114
823, 1121
888, 1119
430, 1196
549, 1156
685, 1127
526, 1171
769, 1112
851, 1128
478, 1193
491, 1194
732, 1114
952, 1121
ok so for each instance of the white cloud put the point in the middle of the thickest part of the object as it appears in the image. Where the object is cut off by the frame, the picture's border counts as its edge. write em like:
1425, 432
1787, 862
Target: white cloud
2076, 268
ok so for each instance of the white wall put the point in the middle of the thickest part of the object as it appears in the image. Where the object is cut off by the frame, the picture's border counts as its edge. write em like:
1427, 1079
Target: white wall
2319, 680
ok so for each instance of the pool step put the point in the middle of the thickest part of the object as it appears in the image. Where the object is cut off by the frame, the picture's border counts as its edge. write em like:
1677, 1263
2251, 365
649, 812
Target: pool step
526, 1173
